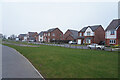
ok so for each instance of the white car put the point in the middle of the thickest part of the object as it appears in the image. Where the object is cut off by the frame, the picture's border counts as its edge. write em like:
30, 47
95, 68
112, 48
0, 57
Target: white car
71, 42
95, 46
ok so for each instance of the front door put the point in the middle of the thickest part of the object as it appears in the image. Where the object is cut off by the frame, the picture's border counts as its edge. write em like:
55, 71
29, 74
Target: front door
79, 41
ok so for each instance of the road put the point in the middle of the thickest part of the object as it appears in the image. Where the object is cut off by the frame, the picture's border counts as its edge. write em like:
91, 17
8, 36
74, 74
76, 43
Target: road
14, 65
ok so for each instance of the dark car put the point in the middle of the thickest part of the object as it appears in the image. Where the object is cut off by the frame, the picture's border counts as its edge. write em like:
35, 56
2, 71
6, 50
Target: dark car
102, 43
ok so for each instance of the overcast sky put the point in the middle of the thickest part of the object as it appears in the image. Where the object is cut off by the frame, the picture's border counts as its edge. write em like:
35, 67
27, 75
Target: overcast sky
21, 17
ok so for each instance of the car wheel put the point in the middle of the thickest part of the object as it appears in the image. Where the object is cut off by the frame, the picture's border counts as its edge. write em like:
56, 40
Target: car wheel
99, 48
89, 47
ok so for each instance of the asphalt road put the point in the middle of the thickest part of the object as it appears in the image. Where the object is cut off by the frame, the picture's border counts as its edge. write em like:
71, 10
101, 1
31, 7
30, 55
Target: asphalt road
14, 65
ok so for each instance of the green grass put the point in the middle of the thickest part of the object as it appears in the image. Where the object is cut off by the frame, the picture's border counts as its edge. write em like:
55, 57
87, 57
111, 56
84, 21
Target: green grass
58, 62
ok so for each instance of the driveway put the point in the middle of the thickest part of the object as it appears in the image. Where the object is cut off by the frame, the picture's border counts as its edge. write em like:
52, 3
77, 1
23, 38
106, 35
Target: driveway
14, 65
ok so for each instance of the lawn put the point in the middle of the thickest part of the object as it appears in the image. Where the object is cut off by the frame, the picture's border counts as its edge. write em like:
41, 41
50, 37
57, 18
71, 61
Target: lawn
59, 62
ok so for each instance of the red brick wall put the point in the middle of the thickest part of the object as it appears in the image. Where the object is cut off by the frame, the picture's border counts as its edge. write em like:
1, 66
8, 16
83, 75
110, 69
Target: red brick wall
108, 41
67, 33
69, 38
92, 39
80, 32
118, 35
99, 35
58, 34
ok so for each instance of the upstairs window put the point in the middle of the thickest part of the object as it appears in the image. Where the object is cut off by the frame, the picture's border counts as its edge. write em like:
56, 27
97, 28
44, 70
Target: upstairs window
44, 34
53, 34
48, 34
88, 33
80, 34
112, 32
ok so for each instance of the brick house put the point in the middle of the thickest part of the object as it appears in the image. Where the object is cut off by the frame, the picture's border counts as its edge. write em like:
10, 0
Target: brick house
1, 36
112, 33
52, 34
22, 37
32, 36
91, 34
71, 35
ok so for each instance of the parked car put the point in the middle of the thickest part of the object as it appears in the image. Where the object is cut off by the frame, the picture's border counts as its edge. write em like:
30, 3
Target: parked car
72, 42
102, 43
96, 46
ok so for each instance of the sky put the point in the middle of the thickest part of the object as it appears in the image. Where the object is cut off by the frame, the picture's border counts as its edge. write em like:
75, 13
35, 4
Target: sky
18, 16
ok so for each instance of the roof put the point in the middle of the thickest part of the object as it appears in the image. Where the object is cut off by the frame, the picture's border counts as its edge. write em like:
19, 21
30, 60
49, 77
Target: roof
83, 29
41, 33
50, 30
23, 35
93, 28
74, 33
31, 33
113, 25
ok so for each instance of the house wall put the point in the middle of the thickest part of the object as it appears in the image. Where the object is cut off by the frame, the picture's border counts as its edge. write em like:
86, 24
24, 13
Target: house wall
69, 38
40, 38
80, 32
118, 35
49, 36
58, 35
34, 35
67, 33
25, 38
89, 30
45, 37
108, 35
99, 35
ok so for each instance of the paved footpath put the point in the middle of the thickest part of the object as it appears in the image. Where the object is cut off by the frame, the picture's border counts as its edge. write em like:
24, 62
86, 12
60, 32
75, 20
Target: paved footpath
14, 65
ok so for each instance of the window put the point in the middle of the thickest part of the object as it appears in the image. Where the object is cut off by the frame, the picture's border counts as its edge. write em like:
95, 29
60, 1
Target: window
88, 33
60, 35
112, 41
48, 34
48, 39
112, 32
53, 34
53, 38
44, 34
80, 34
88, 41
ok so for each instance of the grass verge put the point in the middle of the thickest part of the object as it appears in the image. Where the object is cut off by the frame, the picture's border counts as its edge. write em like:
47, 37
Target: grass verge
59, 62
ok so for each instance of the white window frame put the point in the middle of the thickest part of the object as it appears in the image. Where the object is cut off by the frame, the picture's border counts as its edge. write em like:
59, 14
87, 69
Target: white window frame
48, 34
53, 39
112, 41
80, 34
53, 34
112, 32
88, 34
88, 40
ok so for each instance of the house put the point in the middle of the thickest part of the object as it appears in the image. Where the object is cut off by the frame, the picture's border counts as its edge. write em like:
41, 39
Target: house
52, 34
22, 37
91, 34
1, 36
40, 37
32, 36
112, 33
71, 35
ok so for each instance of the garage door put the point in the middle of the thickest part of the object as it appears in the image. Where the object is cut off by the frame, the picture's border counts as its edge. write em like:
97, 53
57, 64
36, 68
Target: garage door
79, 41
